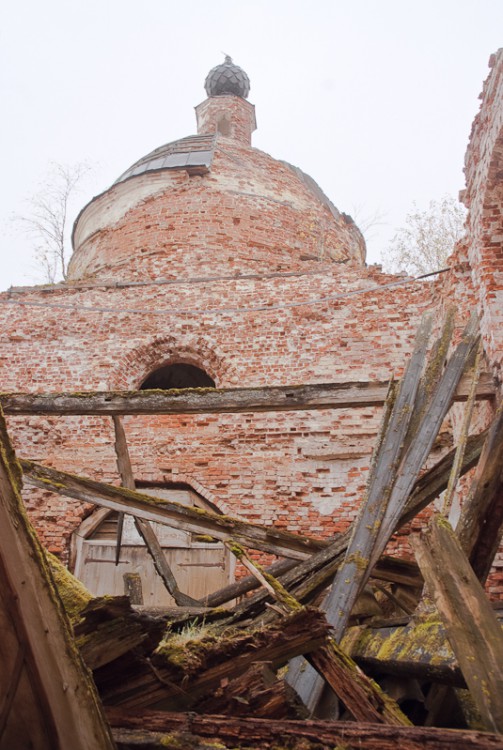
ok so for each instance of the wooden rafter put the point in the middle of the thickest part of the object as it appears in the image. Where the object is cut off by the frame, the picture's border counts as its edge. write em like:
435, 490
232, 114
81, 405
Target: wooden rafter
470, 623
211, 400
143, 526
170, 513
61, 686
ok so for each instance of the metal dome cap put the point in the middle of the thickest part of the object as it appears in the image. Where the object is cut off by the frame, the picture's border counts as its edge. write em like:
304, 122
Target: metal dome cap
227, 78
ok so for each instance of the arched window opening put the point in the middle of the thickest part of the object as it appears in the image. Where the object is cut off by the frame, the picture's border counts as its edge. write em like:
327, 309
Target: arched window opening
178, 375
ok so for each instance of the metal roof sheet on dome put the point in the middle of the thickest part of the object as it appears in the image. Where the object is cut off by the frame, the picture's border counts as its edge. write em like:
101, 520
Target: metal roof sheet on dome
194, 153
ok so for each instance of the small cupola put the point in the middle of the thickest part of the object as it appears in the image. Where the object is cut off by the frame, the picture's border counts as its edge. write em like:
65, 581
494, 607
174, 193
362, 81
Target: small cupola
226, 111
227, 78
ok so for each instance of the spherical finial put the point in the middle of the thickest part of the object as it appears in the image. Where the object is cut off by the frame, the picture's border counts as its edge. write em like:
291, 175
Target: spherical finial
227, 78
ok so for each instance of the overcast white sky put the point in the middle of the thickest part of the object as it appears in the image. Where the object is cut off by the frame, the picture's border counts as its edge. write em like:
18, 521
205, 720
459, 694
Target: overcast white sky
373, 98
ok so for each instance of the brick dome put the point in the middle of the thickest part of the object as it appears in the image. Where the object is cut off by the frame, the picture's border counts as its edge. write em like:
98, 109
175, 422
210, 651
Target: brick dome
210, 203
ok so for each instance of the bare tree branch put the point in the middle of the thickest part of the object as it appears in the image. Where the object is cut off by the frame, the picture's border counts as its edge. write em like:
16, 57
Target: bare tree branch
47, 218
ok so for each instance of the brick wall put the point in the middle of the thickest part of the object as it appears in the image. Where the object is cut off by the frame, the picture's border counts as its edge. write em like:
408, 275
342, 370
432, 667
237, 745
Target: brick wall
249, 272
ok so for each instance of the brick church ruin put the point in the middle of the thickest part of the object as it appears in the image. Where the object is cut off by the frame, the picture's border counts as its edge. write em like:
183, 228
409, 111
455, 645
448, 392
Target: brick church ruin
209, 263
226, 425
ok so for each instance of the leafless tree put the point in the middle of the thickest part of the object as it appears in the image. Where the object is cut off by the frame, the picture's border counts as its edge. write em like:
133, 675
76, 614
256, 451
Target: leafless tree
427, 238
368, 223
47, 218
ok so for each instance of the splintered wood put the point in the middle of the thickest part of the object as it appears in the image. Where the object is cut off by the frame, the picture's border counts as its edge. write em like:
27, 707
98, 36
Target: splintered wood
386, 656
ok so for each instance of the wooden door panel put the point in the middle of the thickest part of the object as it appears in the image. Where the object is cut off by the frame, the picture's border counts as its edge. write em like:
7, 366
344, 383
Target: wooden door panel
198, 570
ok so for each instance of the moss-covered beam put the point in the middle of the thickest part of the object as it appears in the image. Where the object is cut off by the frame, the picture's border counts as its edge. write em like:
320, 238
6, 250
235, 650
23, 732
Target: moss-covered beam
56, 705
170, 513
309, 735
471, 625
216, 400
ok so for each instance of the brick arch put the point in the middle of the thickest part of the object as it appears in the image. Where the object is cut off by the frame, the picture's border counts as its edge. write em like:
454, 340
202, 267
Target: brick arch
135, 365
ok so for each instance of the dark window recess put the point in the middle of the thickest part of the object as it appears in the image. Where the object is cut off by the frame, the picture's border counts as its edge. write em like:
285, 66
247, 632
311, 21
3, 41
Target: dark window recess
178, 375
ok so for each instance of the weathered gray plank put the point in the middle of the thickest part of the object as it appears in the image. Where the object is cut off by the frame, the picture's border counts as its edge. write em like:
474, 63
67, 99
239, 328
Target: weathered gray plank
351, 576
144, 528
463, 435
427, 431
481, 522
176, 515
210, 400
471, 625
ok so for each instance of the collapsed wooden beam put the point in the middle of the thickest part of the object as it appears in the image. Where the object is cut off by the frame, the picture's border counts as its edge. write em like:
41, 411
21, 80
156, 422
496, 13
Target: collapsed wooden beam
471, 625
213, 400
399, 459
170, 513
143, 527
417, 649
481, 522
363, 698
56, 703
177, 675
245, 732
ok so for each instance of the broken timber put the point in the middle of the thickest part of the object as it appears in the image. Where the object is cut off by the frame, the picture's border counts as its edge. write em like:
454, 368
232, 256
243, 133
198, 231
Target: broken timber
363, 698
427, 488
178, 675
170, 513
378, 519
255, 733
144, 527
47, 698
471, 625
213, 400
410, 425
481, 522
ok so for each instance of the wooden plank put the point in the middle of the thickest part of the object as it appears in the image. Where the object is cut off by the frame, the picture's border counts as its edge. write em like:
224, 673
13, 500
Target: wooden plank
243, 586
258, 693
127, 479
352, 574
144, 528
422, 442
86, 528
434, 481
463, 436
199, 668
363, 698
309, 577
263, 733
170, 513
429, 486
481, 522
133, 588
161, 564
11, 685
210, 400
58, 675
110, 628
287, 602
418, 649
472, 628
